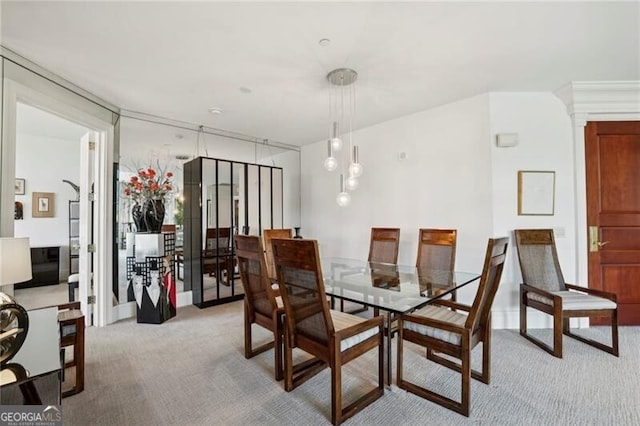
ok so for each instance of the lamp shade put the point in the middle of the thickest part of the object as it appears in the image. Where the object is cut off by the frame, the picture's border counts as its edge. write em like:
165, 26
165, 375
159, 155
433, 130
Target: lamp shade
15, 260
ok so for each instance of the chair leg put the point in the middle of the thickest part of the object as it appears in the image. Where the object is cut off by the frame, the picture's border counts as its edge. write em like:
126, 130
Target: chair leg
399, 353
247, 334
466, 382
288, 363
278, 349
464, 368
557, 332
613, 349
523, 332
336, 390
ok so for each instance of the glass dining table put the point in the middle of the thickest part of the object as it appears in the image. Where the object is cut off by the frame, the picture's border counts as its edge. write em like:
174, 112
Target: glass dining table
396, 289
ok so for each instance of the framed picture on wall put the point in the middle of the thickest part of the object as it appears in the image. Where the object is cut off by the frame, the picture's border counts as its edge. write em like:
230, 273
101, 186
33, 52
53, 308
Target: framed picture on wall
536, 193
42, 204
19, 187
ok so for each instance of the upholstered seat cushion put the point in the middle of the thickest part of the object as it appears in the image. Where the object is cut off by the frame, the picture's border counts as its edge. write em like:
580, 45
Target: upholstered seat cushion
440, 314
342, 320
575, 301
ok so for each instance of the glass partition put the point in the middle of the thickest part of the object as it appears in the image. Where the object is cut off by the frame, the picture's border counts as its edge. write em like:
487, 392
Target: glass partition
236, 198
265, 198
250, 206
253, 199
276, 194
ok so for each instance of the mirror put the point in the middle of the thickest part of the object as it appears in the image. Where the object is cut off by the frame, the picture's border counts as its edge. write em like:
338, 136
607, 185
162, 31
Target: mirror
253, 196
236, 197
276, 180
265, 199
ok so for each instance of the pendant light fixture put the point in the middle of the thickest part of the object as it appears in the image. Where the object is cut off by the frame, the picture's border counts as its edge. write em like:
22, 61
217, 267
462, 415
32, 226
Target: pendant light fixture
342, 100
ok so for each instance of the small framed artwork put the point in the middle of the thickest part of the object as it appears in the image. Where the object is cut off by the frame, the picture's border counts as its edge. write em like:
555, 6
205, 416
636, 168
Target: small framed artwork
536, 193
19, 187
42, 204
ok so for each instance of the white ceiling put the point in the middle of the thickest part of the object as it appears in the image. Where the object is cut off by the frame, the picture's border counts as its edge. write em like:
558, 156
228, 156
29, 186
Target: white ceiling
177, 59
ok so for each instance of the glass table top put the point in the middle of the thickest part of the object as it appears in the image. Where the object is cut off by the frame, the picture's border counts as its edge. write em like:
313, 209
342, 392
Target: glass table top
394, 288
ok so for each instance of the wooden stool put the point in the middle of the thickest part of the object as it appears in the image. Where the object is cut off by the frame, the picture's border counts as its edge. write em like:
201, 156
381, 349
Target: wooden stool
71, 322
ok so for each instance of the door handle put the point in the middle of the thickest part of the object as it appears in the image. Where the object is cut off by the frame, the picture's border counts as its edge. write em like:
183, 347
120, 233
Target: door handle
594, 244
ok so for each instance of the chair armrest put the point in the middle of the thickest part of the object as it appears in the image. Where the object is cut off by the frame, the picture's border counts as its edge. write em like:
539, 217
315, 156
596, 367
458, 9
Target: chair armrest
452, 304
604, 294
430, 322
530, 289
345, 333
556, 300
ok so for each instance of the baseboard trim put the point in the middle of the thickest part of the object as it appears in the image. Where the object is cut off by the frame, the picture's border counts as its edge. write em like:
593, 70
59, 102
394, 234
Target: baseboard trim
510, 319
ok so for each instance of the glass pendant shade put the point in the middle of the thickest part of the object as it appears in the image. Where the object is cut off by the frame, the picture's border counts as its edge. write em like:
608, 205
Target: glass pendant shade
351, 183
343, 199
330, 164
336, 142
355, 168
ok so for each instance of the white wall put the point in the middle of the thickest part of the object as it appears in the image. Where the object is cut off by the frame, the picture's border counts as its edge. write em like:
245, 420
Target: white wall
545, 143
454, 177
44, 162
445, 182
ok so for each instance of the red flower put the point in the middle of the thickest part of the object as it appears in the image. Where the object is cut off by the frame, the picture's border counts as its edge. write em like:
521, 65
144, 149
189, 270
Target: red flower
169, 174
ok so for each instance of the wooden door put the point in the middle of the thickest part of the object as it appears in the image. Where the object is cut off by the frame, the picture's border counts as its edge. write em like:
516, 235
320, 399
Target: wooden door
612, 154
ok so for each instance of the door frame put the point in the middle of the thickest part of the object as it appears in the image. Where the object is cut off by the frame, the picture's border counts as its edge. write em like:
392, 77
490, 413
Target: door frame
15, 92
593, 101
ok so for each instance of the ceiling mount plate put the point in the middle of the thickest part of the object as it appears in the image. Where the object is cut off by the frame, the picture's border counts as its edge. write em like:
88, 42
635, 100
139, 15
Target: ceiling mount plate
342, 76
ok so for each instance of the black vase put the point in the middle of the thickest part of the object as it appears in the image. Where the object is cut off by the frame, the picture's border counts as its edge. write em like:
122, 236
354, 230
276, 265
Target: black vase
138, 218
153, 214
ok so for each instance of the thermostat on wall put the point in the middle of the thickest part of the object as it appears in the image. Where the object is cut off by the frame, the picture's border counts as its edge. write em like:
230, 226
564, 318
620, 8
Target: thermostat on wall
506, 140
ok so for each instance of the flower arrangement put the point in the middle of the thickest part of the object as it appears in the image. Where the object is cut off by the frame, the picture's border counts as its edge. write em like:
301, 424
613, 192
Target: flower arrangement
148, 185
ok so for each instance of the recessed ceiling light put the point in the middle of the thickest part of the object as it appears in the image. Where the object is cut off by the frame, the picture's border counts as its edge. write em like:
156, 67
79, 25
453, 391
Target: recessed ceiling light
245, 89
215, 111
324, 42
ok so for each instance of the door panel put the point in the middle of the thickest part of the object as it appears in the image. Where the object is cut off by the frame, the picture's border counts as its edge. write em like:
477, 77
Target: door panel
613, 205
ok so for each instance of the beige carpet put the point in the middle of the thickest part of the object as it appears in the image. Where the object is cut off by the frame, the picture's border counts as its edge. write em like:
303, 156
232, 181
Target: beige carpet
191, 371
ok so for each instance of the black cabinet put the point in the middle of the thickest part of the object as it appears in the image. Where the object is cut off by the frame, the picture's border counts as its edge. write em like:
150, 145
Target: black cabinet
45, 267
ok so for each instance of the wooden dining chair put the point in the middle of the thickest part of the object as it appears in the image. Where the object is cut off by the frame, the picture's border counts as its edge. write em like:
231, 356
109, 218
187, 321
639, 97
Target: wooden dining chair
333, 337
384, 245
268, 235
436, 252
455, 333
383, 248
262, 304
216, 257
544, 289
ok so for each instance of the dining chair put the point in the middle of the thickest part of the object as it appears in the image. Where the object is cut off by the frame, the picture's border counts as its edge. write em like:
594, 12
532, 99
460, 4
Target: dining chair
268, 235
262, 304
217, 252
544, 289
383, 248
72, 330
333, 337
455, 333
384, 244
436, 252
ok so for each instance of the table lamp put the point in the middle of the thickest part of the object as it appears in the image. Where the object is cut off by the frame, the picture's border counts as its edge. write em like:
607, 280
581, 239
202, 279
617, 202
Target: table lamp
15, 267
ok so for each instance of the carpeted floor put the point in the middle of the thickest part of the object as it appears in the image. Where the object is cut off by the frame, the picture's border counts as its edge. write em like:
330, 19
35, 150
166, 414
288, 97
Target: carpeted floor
191, 371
